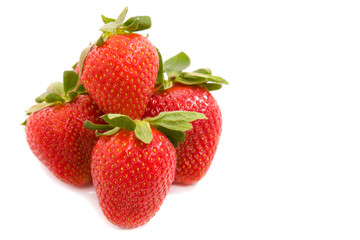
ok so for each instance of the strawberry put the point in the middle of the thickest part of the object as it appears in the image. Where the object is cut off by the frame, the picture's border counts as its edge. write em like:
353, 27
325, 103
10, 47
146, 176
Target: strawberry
189, 92
133, 164
55, 132
119, 70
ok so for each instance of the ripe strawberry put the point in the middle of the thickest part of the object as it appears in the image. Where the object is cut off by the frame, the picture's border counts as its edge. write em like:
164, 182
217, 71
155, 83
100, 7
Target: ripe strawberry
119, 71
55, 132
189, 92
133, 165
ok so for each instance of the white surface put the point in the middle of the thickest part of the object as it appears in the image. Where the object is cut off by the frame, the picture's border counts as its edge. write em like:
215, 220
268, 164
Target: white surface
287, 166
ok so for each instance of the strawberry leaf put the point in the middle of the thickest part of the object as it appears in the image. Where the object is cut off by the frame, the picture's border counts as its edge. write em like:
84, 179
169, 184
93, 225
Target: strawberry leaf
174, 137
143, 131
38, 107
160, 80
212, 86
174, 69
81, 89
216, 79
197, 78
70, 80
118, 26
109, 28
74, 66
101, 127
109, 130
137, 23
175, 65
175, 121
58, 92
41, 98
53, 98
108, 133
187, 79
203, 71
173, 124
83, 56
179, 125
100, 40
120, 19
133, 26
106, 19
119, 120
166, 85
178, 115
72, 95
160, 76
24, 122
56, 87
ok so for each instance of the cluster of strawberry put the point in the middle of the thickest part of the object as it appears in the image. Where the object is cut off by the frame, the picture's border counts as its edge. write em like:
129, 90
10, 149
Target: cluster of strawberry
117, 121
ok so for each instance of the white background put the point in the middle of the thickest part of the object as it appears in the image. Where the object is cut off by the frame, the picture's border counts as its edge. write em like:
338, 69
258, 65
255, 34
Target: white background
287, 166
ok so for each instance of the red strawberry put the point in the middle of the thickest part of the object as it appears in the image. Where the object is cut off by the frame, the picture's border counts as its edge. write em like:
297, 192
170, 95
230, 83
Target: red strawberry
133, 168
189, 92
55, 132
119, 71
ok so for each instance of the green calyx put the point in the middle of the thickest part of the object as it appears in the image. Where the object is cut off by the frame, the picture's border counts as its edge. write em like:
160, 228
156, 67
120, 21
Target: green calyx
172, 124
58, 93
174, 67
120, 26
116, 26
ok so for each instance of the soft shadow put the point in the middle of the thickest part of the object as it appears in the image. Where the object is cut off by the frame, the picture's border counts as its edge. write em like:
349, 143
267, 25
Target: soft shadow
180, 188
87, 191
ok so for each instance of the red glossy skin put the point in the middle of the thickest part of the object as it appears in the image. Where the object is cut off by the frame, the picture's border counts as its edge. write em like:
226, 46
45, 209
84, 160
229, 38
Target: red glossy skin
132, 178
196, 153
58, 139
120, 74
